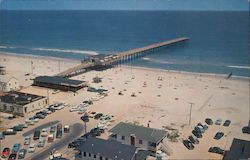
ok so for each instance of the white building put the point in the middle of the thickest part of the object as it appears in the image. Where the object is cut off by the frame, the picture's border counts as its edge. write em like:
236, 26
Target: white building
8, 83
19, 103
138, 136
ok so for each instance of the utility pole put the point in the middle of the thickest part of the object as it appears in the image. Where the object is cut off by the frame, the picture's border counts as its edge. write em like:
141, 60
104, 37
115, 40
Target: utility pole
48, 95
31, 65
190, 113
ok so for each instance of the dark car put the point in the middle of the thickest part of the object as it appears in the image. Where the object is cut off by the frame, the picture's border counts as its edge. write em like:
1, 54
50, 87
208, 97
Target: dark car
246, 130
209, 121
51, 109
22, 153
98, 115
227, 123
218, 135
73, 144
188, 144
16, 147
18, 128
40, 116
197, 134
193, 140
95, 132
12, 156
85, 118
217, 150
36, 135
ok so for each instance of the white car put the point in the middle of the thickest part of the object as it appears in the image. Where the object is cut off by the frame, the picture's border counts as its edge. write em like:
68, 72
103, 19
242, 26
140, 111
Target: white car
94, 99
41, 142
26, 140
44, 132
74, 109
32, 148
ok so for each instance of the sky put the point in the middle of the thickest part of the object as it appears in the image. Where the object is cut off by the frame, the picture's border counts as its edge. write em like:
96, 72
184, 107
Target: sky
217, 5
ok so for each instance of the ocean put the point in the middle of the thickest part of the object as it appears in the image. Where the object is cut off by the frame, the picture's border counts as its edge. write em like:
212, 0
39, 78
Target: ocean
219, 41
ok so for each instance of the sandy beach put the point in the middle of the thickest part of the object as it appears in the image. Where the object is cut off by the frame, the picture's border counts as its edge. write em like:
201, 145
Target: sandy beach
162, 98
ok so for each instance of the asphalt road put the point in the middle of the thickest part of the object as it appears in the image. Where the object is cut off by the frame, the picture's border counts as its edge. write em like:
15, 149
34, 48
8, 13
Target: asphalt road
46, 125
76, 131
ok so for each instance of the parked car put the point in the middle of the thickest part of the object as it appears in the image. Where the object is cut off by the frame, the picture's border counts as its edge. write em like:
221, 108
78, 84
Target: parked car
6, 152
34, 119
2, 136
12, 156
16, 147
188, 144
218, 135
73, 144
50, 138
217, 150
197, 134
85, 118
36, 135
66, 129
41, 142
52, 129
92, 114
193, 140
44, 132
209, 121
199, 129
26, 140
22, 153
17, 128
227, 123
32, 148
40, 116
9, 132
95, 132
98, 115
246, 130
218, 122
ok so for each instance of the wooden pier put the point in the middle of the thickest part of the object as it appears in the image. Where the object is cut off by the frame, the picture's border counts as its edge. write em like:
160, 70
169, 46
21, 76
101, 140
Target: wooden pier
119, 58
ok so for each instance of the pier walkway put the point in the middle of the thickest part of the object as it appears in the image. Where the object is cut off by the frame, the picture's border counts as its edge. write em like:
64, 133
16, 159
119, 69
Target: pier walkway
118, 58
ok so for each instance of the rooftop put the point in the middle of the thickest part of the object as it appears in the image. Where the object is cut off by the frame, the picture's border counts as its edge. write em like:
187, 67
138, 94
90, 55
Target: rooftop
5, 78
19, 98
238, 150
144, 133
59, 81
107, 148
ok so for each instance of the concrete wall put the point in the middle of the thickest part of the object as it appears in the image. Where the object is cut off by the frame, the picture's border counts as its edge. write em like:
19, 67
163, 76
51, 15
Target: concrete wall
22, 110
127, 141
12, 84
89, 156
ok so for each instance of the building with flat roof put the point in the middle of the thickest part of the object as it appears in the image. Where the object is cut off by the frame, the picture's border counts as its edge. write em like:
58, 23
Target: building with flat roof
95, 148
19, 103
8, 83
59, 83
138, 136
240, 149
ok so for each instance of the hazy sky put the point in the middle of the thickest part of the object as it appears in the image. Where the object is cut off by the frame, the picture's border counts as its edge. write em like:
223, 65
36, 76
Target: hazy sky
126, 4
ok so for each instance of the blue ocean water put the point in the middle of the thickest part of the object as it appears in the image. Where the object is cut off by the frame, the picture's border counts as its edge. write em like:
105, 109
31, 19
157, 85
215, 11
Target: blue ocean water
219, 41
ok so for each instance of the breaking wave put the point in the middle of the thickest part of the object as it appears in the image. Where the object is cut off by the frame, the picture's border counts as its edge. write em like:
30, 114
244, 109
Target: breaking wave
240, 67
156, 60
67, 51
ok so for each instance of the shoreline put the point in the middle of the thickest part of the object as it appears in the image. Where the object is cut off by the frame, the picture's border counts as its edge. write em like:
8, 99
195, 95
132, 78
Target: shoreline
37, 57
235, 77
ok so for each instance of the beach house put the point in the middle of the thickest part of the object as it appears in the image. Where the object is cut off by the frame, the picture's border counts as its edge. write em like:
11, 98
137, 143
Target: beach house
100, 149
19, 103
8, 83
138, 136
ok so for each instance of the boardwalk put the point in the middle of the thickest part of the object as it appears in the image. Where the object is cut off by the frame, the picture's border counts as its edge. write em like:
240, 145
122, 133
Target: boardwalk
119, 57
